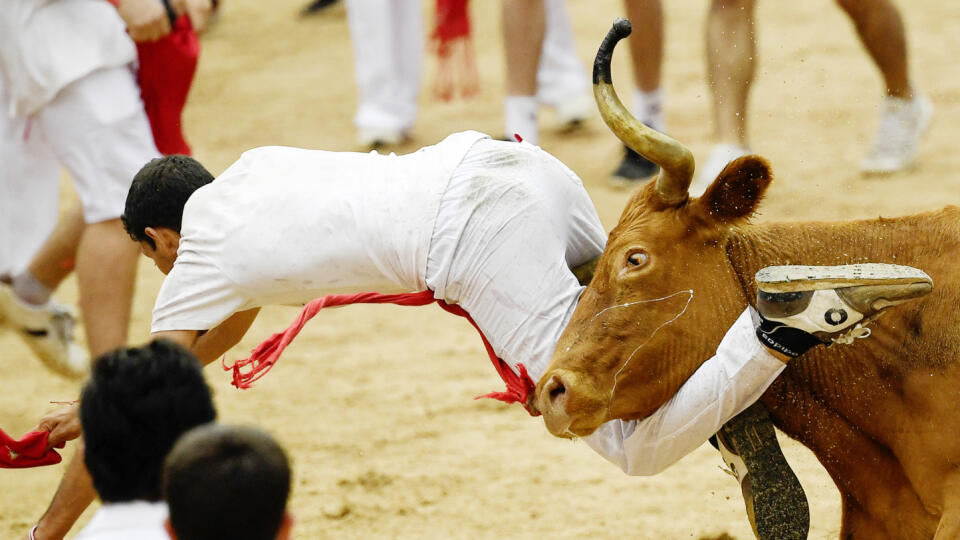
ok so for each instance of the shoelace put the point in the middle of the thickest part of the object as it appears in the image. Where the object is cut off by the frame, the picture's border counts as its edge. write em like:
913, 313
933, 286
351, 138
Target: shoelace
857, 332
729, 471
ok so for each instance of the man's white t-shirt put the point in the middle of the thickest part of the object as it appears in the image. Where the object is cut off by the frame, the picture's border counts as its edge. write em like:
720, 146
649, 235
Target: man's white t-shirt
47, 44
493, 228
134, 520
287, 225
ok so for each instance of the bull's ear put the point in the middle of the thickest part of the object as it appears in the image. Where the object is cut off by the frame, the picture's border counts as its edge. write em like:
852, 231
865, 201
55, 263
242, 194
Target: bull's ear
737, 191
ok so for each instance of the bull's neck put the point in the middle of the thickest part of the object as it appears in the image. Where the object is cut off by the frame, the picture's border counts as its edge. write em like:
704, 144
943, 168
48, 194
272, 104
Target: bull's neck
754, 247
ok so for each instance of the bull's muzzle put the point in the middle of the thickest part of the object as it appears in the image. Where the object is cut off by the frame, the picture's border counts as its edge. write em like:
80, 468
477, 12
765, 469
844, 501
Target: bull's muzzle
567, 411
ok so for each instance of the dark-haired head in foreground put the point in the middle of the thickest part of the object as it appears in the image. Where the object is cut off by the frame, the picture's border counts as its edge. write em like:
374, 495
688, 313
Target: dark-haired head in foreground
136, 404
227, 482
154, 209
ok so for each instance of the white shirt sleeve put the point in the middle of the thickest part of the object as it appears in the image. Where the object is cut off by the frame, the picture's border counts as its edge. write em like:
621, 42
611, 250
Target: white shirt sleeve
196, 295
721, 388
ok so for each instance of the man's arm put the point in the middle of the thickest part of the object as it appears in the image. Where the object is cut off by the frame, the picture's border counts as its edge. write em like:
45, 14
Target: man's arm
76, 488
146, 20
73, 496
212, 344
724, 385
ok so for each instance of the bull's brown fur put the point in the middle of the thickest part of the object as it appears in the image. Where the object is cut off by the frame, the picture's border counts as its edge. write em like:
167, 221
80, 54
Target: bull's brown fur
882, 416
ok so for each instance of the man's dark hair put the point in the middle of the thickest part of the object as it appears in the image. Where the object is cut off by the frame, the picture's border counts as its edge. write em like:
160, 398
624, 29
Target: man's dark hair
136, 404
226, 482
159, 192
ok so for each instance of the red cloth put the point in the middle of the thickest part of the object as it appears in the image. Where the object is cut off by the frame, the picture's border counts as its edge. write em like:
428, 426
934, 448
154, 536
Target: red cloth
455, 60
165, 76
453, 22
264, 356
30, 451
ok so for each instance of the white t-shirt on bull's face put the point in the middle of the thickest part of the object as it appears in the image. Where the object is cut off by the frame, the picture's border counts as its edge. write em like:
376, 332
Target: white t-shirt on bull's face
286, 225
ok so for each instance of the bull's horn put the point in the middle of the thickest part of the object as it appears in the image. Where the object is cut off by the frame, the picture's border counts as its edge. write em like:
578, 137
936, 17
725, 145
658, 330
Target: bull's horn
674, 159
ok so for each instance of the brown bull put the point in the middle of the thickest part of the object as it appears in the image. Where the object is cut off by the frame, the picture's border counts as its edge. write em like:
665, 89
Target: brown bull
883, 416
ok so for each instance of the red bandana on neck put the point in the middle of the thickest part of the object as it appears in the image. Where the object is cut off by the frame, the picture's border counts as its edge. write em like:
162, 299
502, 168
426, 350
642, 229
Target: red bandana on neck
264, 356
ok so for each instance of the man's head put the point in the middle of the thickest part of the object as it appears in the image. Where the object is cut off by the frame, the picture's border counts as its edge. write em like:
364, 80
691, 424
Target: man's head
154, 209
227, 482
136, 404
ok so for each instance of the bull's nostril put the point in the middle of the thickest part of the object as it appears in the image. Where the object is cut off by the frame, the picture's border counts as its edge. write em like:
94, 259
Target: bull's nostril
557, 389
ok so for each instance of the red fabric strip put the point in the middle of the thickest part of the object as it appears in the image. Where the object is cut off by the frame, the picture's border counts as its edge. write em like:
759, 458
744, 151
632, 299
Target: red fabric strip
456, 64
30, 451
165, 76
264, 356
453, 22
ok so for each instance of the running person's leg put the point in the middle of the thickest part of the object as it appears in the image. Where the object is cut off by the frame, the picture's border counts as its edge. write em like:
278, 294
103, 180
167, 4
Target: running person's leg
562, 80
30, 187
99, 131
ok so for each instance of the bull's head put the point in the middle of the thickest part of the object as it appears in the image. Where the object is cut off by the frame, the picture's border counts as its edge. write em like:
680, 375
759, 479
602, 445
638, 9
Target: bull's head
663, 291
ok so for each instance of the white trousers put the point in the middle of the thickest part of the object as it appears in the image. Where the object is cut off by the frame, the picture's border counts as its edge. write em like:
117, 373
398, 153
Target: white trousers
560, 74
512, 222
388, 44
29, 191
388, 47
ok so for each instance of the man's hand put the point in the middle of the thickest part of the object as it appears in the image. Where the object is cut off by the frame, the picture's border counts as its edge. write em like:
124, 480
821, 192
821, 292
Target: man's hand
198, 10
146, 20
63, 424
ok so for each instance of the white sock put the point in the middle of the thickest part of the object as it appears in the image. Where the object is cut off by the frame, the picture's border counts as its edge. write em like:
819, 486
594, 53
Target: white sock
29, 290
648, 108
520, 117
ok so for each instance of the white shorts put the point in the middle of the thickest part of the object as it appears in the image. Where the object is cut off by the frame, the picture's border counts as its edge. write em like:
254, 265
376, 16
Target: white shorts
98, 130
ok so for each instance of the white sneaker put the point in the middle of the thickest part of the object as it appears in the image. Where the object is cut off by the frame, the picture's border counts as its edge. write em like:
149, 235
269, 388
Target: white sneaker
374, 139
48, 331
572, 112
803, 306
720, 155
897, 142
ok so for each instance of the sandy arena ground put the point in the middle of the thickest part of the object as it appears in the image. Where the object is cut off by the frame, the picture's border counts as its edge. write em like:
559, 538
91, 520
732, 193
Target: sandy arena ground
375, 403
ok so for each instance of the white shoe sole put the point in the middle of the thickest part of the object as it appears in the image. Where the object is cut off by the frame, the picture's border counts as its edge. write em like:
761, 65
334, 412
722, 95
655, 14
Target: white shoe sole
782, 279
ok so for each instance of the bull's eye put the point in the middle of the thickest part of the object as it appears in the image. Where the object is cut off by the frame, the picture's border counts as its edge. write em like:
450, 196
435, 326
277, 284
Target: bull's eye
637, 259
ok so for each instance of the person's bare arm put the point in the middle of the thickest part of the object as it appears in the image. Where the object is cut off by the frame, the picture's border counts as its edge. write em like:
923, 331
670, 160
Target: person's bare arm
73, 496
198, 10
146, 20
212, 344
76, 491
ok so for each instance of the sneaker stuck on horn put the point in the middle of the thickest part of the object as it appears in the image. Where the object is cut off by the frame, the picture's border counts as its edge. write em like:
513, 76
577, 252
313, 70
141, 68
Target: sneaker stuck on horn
803, 306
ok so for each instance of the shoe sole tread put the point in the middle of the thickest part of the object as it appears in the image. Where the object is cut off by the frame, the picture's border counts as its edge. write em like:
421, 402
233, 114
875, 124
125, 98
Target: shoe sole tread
781, 279
780, 507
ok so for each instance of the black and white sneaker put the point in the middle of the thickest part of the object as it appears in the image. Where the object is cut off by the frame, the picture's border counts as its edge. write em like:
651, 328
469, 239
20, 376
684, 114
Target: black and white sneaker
47, 330
318, 6
804, 306
633, 170
776, 503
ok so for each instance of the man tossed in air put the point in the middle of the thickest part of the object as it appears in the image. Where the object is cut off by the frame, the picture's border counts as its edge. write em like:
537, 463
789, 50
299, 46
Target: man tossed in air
494, 227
